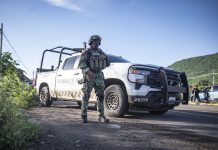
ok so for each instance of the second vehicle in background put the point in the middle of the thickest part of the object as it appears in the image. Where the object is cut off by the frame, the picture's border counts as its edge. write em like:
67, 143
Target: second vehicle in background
209, 93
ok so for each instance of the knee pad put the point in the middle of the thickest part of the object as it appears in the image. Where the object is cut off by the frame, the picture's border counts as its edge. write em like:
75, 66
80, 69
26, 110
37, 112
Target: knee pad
100, 97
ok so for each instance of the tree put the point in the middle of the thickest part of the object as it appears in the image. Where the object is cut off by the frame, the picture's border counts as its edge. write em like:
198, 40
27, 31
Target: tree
7, 64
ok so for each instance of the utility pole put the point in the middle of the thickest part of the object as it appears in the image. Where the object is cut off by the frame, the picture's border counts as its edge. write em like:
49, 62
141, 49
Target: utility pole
33, 75
213, 77
1, 41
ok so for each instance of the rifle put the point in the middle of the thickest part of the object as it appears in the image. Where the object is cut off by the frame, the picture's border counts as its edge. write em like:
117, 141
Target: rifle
83, 80
84, 44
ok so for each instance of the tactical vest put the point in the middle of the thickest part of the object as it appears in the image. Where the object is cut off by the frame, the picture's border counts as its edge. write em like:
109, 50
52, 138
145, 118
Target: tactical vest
96, 63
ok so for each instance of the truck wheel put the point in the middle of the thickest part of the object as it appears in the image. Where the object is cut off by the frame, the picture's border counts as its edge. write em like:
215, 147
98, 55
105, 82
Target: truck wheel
45, 97
115, 101
158, 112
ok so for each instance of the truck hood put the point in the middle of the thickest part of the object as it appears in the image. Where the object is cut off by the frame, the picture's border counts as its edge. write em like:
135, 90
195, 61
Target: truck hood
155, 66
143, 65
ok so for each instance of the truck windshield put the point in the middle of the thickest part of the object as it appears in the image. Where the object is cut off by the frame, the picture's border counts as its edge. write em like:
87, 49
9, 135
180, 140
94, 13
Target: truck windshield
117, 59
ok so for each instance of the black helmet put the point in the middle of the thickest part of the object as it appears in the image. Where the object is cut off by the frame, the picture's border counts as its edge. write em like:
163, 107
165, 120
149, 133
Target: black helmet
94, 38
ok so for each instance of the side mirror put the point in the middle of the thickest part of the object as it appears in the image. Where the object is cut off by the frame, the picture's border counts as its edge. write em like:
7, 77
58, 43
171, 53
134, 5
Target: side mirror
37, 70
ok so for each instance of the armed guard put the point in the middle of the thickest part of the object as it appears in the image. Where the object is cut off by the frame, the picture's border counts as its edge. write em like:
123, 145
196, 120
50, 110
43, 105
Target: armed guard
93, 61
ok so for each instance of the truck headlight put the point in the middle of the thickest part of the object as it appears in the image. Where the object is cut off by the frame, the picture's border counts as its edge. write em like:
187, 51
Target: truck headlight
139, 72
138, 76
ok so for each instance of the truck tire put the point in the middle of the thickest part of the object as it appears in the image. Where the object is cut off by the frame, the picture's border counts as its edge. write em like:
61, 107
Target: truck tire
158, 112
45, 97
115, 101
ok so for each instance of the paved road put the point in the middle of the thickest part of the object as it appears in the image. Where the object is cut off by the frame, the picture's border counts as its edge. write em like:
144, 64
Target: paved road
186, 127
202, 120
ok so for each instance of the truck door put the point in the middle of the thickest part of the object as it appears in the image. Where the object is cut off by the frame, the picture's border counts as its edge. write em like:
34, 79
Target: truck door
78, 76
213, 93
66, 79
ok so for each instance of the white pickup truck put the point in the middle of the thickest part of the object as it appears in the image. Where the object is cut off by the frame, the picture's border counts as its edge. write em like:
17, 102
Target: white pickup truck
128, 85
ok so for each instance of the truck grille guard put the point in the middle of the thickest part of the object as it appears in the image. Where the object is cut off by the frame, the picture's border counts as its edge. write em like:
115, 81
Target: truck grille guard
166, 89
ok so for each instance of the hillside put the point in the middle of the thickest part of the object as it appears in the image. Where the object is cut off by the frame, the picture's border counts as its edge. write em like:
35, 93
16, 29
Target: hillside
199, 69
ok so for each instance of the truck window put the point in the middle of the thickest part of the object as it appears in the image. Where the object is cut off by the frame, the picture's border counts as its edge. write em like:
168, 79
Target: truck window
215, 88
69, 63
117, 59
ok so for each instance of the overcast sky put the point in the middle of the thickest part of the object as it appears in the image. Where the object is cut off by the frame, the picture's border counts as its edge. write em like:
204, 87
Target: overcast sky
156, 32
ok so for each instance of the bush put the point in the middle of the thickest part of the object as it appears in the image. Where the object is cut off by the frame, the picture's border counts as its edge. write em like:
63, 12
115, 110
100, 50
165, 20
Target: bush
16, 131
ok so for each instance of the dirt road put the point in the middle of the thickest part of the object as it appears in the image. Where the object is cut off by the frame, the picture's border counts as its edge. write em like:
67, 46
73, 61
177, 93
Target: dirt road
186, 127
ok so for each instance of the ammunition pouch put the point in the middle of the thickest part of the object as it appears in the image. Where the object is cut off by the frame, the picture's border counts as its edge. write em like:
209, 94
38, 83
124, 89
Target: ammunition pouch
97, 63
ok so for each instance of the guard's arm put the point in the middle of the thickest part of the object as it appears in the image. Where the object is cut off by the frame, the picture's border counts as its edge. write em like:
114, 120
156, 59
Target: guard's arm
107, 60
87, 73
83, 63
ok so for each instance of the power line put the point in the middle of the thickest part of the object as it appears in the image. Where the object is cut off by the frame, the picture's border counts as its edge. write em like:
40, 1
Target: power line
12, 47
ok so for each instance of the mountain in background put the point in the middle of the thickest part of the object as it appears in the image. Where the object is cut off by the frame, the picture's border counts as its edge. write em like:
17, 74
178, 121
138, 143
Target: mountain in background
201, 70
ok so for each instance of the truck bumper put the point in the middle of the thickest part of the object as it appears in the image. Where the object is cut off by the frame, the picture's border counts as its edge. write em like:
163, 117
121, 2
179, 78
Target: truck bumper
155, 100
168, 96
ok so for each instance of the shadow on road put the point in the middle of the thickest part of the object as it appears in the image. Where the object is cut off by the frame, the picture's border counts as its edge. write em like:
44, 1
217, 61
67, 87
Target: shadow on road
180, 115
206, 122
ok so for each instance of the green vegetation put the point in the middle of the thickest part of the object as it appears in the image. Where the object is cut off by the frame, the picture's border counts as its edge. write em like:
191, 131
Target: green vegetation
16, 131
199, 69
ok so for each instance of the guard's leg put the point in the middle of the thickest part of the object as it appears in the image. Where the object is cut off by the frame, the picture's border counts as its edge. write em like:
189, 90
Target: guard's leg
87, 88
100, 108
99, 90
84, 107
100, 104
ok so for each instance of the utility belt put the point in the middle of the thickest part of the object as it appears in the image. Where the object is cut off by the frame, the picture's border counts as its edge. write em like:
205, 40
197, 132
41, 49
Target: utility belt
95, 71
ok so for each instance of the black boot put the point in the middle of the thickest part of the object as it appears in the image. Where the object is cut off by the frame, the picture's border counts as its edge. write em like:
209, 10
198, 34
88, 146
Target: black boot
84, 119
103, 119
